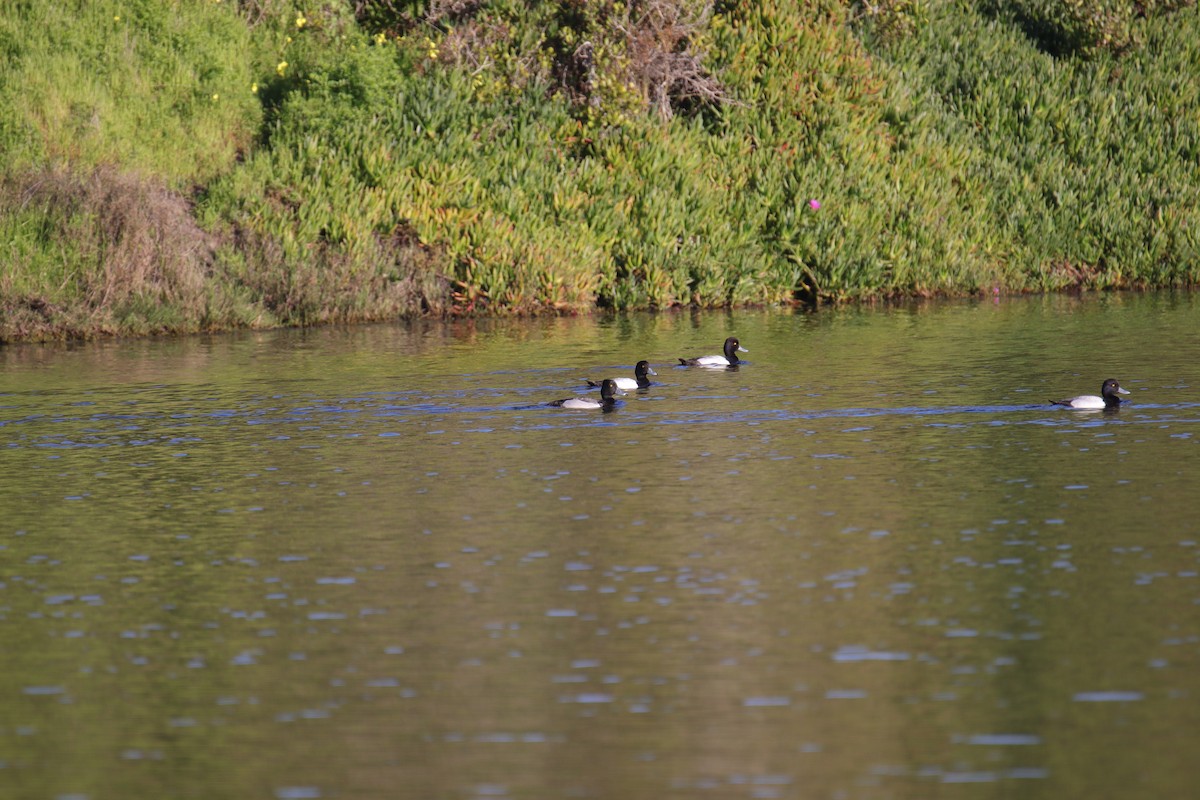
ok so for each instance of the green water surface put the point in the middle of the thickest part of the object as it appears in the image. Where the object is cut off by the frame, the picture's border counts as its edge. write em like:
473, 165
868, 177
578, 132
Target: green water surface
871, 562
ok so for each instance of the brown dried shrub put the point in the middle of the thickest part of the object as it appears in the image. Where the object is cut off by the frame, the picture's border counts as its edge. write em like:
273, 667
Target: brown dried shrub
664, 62
131, 244
602, 50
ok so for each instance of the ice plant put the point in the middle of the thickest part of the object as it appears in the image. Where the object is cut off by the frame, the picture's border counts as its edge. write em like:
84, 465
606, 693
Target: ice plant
814, 204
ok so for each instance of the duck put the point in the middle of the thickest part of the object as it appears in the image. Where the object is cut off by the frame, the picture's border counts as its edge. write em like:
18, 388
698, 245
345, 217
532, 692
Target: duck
608, 388
1107, 399
639, 381
730, 359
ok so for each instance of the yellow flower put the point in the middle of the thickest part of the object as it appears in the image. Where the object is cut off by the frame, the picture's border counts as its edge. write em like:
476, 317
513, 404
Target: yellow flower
216, 97
301, 20
281, 68
380, 38
254, 88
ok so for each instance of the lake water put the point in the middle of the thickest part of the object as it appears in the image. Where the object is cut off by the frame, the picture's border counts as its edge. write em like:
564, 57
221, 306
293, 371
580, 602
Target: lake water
871, 562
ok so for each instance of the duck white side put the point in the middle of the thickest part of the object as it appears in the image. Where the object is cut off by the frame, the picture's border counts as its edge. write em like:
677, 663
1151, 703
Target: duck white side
608, 390
1107, 399
732, 348
639, 380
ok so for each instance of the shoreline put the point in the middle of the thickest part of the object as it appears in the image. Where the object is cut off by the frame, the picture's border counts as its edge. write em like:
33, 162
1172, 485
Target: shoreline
891, 302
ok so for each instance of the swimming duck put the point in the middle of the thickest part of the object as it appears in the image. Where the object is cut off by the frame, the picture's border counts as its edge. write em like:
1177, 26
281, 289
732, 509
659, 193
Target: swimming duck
1107, 399
730, 359
608, 388
639, 381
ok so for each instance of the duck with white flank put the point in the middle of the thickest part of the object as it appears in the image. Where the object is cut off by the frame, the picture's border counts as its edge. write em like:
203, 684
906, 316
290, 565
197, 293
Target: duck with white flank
730, 359
638, 381
1107, 399
608, 388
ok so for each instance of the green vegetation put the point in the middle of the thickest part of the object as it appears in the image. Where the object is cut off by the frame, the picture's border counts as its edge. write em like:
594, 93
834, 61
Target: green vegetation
175, 165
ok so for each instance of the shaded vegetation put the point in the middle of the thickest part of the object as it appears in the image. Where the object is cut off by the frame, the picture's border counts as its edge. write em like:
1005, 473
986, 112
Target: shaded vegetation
202, 164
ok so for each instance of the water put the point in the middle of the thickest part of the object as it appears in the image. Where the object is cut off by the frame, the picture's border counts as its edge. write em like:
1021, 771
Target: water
360, 563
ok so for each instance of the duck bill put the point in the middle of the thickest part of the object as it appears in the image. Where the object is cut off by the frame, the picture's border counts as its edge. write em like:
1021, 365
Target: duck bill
649, 371
742, 349
1122, 391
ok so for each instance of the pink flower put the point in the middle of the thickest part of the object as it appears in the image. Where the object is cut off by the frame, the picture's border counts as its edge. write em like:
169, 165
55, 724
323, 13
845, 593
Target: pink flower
814, 204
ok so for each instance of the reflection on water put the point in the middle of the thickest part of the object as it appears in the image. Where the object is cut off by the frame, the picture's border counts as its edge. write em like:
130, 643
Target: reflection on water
866, 563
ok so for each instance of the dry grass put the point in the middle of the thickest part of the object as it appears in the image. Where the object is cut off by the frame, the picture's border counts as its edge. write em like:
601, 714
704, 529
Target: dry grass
123, 254
130, 246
